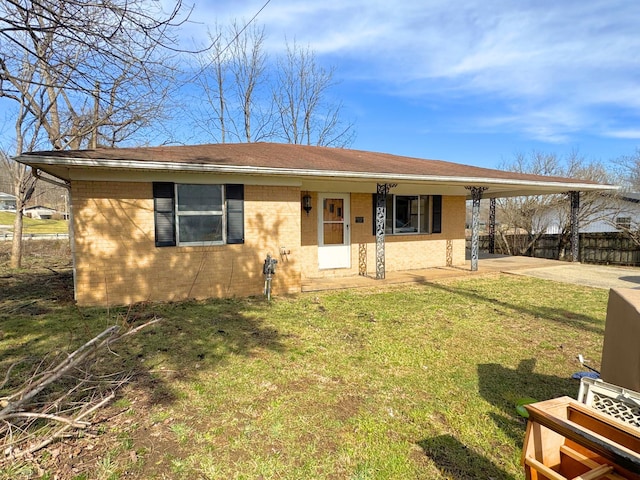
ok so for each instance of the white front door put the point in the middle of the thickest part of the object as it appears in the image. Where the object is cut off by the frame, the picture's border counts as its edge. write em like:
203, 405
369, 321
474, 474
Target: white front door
334, 243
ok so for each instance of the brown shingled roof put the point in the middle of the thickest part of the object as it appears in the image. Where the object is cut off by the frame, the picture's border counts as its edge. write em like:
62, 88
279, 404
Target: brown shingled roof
282, 158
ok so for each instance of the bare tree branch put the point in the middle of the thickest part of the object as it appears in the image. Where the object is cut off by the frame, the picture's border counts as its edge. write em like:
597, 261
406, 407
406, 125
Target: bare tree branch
301, 94
69, 406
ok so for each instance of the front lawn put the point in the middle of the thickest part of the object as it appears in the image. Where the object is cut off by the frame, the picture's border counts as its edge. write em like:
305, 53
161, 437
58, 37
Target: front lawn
404, 382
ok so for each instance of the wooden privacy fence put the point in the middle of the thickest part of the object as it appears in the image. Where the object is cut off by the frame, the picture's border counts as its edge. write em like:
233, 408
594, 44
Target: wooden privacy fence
602, 248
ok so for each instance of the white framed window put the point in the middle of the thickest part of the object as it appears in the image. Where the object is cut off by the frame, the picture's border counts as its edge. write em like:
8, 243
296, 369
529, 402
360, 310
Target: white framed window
199, 214
196, 214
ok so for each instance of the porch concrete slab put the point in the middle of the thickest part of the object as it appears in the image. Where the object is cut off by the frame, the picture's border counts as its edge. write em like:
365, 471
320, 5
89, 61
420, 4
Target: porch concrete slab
391, 278
599, 276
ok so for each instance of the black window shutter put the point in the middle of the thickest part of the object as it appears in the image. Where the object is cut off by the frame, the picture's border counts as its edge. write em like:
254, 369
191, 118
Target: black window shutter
235, 213
374, 201
436, 226
163, 209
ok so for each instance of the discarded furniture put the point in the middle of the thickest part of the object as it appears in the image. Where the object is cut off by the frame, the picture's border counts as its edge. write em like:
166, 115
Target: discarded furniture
566, 439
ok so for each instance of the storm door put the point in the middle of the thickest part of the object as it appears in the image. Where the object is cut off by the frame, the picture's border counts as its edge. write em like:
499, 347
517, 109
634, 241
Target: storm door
334, 243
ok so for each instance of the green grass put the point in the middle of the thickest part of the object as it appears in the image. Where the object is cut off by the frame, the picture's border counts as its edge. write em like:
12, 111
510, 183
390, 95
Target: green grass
413, 382
33, 225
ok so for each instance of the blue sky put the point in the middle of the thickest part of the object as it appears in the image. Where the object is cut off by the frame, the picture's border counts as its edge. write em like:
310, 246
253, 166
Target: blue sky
471, 81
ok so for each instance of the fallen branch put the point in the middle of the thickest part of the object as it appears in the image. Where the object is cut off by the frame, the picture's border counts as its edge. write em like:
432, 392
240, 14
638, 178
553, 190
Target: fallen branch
13, 402
55, 435
30, 402
69, 421
8, 374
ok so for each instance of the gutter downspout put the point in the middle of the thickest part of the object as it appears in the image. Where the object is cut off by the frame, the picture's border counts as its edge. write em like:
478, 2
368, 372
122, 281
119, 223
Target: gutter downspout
72, 238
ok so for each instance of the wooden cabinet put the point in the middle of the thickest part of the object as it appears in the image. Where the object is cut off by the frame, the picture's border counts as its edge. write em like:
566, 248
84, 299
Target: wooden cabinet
566, 439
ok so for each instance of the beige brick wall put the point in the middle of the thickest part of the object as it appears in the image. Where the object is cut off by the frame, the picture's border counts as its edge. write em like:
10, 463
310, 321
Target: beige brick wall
117, 261
402, 252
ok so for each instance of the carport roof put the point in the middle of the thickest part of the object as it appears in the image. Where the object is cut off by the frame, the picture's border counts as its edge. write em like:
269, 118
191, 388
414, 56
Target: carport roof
311, 165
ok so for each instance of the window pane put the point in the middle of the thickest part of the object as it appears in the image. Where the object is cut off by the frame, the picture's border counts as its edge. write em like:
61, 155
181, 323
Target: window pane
424, 214
623, 222
333, 233
333, 209
388, 229
200, 228
406, 213
199, 198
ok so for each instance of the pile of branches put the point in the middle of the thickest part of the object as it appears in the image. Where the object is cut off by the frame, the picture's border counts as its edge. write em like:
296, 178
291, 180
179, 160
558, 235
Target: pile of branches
60, 396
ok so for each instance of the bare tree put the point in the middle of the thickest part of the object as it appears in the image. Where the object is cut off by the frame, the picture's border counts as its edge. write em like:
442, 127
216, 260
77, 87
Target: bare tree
234, 81
536, 215
125, 32
527, 215
82, 74
624, 205
628, 171
630, 230
78, 68
248, 67
593, 205
209, 111
306, 114
247, 102
24, 185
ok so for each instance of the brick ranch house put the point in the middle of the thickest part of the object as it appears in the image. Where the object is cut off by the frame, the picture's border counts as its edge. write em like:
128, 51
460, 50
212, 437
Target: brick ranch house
176, 222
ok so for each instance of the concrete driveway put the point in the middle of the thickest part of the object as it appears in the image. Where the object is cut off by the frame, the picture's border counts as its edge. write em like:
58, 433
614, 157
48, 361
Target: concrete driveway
599, 276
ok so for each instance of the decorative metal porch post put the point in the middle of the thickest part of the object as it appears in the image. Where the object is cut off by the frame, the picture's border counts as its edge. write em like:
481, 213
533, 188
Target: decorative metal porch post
476, 195
492, 226
574, 197
381, 220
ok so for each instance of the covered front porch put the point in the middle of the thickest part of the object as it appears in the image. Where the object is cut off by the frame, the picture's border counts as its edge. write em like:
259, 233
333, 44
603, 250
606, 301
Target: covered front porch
487, 264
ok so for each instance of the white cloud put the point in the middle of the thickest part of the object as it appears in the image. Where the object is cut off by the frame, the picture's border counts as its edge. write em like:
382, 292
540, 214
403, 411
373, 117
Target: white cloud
631, 134
562, 59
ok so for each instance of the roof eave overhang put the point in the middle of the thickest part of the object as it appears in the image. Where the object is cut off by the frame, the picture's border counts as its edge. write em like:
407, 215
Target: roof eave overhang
532, 187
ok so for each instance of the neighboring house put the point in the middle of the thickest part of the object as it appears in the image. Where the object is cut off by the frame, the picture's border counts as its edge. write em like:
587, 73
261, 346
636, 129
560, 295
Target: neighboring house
40, 212
611, 213
7, 202
169, 223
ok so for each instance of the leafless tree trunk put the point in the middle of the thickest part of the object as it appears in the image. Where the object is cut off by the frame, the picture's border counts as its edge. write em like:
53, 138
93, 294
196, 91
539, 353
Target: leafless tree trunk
247, 102
24, 185
306, 114
233, 79
248, 69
